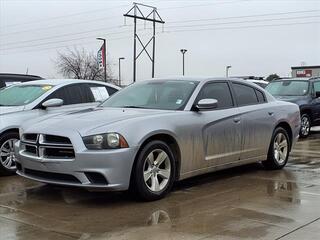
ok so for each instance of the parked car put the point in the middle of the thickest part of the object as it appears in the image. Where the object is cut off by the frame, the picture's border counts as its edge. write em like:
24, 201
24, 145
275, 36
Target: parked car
155, 132
25, 101
303, 91
7, 79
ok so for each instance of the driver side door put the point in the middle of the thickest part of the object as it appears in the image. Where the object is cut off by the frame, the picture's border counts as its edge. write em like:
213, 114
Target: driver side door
221, 131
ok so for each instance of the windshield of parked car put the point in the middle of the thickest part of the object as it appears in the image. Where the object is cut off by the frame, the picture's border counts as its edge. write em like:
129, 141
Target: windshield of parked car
19, 95
288, 88
166, 95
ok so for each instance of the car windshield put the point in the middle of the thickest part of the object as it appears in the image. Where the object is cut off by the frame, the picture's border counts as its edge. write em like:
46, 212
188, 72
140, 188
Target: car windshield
166, 95
19, 95
288, 88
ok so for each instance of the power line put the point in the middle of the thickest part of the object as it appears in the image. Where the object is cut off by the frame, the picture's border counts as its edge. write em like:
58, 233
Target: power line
176, 31
64, 35
197, 20
52, 42
63, 16
246, 16
242, 27
99, 19
240, 22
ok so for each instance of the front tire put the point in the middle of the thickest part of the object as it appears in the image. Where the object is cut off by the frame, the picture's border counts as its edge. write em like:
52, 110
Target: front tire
305, 126
279, 150
154, 171
7, 157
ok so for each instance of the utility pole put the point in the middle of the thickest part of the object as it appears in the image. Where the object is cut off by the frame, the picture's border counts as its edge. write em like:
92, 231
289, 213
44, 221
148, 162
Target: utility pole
227, 70
146, 13
183, 51
120, 58
104, 57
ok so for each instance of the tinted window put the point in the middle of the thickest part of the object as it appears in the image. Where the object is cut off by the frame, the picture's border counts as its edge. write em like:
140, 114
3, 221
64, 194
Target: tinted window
260, 96
219, 91
317, 86
245, 95
74, 94
111, 90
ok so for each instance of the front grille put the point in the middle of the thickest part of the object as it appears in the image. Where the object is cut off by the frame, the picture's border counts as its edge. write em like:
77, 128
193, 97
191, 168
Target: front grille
51, 176
56, 140
58, 153
48, 147
30, 137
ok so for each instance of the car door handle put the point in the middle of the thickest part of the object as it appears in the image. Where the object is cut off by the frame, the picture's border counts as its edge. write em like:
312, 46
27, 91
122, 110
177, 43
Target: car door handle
270, 113
236, 120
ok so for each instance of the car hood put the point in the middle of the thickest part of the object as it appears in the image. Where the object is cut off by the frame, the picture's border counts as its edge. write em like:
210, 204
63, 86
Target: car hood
292, 99
13, 109
86, 120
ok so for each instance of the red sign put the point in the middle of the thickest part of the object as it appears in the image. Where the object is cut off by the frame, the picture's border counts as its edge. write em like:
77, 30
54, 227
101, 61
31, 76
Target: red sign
304, 73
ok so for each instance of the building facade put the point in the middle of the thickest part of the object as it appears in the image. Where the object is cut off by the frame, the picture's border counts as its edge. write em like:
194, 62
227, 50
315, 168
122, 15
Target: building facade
306, 71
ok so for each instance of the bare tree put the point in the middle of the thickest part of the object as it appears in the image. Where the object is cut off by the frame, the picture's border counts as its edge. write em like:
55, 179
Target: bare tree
80, 64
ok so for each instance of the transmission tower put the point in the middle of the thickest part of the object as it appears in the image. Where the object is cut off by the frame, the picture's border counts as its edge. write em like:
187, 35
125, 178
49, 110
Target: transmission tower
146, 13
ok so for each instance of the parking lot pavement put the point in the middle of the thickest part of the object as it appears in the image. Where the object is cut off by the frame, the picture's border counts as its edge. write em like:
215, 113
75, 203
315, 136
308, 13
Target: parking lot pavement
242, 203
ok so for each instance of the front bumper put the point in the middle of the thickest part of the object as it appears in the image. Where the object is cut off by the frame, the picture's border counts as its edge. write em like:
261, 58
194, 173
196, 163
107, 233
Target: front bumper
103, 169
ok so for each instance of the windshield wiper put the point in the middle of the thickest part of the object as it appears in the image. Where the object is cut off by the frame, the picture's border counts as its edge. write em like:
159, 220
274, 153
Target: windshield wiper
132, 106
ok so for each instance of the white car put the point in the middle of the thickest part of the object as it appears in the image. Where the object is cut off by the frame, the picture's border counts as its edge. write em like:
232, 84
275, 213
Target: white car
25, 101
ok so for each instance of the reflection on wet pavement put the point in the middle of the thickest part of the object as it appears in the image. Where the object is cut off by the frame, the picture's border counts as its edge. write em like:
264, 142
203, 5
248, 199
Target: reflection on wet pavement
241, 203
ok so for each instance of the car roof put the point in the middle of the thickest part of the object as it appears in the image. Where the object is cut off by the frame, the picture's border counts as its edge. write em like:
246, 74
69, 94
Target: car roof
293, 79
194, 78
57, 82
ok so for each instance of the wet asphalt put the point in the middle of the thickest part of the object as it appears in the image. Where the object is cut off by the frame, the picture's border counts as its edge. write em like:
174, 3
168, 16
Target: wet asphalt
240, 203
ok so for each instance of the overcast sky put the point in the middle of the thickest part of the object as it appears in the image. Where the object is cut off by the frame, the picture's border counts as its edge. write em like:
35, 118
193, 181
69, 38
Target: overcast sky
256, 37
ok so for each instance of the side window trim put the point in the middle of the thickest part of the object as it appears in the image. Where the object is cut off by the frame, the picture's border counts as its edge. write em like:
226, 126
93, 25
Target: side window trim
212, 82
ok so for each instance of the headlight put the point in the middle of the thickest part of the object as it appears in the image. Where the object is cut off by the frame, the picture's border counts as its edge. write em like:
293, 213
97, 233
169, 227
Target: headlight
105, 141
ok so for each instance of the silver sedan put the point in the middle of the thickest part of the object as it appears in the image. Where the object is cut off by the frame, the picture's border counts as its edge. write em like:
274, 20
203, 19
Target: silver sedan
156, 132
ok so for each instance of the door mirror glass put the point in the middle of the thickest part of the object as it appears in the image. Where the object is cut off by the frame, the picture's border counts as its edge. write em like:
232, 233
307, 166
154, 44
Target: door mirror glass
54, 102
317, 94
207, 104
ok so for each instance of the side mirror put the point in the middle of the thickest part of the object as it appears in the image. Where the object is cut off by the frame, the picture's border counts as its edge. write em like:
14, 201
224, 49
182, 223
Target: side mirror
54, 102
207, 104
317, 94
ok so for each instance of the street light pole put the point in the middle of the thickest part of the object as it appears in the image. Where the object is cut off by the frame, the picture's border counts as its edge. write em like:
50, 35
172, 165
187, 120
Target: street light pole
227, 70
183, 51
104, 57
120, 58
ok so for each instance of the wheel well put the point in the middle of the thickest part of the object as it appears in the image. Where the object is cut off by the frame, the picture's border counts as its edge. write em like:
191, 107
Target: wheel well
286, 127
16, 130
172, 143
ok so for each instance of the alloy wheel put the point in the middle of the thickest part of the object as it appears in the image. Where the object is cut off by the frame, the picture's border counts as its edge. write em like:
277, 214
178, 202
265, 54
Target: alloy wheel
7, 156
157, 170
280, 146
305, 126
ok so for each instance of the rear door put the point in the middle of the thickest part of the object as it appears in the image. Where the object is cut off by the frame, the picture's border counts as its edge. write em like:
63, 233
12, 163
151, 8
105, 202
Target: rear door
316, 102
257, 120
221, 129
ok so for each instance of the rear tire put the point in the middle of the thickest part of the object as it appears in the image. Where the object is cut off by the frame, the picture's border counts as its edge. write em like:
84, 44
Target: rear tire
305, 126
153, 172
279, 150
7, 158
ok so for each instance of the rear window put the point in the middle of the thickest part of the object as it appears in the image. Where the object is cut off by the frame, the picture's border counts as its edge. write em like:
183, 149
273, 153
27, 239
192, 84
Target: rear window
19, 95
